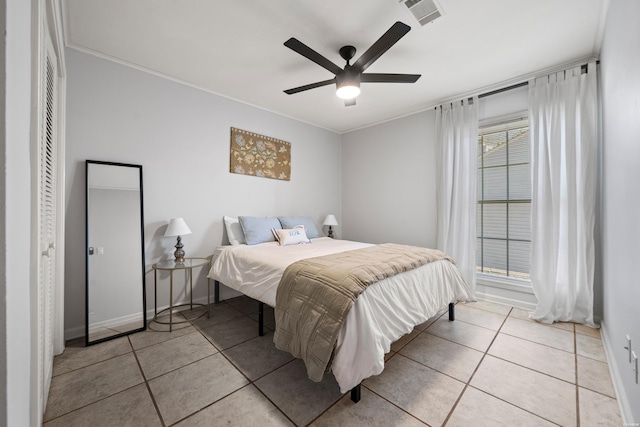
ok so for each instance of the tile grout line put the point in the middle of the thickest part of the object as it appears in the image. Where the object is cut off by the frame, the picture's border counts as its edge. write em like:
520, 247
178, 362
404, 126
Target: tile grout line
437, 316
146, 383
250, 382
468, 382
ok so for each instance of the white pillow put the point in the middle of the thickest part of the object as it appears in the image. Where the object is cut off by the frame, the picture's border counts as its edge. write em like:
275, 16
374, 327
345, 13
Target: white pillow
291, 236
234, 231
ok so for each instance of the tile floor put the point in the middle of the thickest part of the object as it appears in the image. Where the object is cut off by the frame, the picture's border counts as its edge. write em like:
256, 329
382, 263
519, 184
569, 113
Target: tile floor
492, 366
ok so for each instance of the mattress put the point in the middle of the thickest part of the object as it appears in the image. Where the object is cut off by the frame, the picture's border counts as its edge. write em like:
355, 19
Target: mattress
382, 314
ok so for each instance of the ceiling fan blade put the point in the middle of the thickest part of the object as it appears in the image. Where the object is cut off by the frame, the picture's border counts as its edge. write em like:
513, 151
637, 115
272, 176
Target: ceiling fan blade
304, 50
389, 78
388, 39
309, 86
349, 102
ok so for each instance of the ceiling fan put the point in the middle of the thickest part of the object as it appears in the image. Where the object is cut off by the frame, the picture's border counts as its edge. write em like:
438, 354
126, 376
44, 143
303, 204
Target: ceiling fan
348, 80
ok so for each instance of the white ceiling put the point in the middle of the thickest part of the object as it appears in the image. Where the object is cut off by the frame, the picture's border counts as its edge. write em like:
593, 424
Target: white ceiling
235, 48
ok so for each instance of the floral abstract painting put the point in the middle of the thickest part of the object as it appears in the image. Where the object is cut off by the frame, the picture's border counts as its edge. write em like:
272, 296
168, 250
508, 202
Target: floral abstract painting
259, 155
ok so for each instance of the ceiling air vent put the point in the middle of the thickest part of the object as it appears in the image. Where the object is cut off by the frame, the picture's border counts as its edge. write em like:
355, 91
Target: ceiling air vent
425, 11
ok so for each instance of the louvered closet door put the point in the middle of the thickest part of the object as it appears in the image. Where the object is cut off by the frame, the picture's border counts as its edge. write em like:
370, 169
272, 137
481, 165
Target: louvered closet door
47, 231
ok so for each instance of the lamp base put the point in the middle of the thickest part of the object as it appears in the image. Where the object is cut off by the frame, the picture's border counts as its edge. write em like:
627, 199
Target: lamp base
179, 253
330, 232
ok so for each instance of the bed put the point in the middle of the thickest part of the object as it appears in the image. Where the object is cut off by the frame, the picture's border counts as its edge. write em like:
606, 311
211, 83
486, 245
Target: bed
384, 312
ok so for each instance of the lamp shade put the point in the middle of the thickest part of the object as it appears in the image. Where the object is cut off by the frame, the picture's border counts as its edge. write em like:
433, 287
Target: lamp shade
330, 220
177, 227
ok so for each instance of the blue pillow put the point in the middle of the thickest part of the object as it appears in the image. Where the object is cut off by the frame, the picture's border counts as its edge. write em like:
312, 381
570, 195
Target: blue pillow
292, 221
258, 229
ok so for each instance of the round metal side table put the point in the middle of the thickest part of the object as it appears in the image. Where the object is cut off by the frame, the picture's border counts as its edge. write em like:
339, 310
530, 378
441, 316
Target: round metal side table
171, 266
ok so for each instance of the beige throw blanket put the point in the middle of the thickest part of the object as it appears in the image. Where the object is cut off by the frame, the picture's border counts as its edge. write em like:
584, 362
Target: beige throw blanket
315, 295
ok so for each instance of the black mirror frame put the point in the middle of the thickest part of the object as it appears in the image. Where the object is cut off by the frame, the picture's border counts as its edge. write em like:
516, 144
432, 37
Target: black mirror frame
144, 291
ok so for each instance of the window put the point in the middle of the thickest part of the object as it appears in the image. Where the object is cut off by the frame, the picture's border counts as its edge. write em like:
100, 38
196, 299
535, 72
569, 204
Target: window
504, 200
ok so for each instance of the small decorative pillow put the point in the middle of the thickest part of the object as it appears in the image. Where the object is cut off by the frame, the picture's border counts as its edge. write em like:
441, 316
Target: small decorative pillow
307, 221
291, 236
234, 231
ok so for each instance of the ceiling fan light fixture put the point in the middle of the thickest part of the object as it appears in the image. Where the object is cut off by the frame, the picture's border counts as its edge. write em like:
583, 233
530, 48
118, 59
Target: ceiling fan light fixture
348, 84
348, 90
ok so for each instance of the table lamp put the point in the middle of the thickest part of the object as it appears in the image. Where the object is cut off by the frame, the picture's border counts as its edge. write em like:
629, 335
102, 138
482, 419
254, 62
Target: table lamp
330, 220
177, 227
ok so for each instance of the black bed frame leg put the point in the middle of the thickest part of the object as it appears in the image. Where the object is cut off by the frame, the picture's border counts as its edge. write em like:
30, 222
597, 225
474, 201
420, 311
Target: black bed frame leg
452, 312
260, 318
355, 394
216, 292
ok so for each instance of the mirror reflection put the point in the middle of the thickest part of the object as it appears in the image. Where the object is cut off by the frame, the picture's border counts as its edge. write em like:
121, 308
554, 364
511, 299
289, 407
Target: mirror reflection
115, 303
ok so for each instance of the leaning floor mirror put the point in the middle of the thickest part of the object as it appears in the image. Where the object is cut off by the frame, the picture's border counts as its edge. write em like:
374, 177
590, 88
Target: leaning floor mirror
115, 298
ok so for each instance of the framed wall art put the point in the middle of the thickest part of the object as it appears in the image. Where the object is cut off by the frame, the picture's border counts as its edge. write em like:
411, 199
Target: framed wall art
259, 155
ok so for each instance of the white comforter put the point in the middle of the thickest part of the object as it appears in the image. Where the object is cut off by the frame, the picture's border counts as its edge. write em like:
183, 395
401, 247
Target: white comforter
384, 312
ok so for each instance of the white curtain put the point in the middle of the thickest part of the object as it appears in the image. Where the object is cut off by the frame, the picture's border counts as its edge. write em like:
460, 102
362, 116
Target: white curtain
457, 168
563, 124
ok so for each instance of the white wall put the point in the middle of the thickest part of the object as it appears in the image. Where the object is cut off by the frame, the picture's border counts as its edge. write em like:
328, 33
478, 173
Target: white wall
388, 184
620, 77
180, 135
18, 386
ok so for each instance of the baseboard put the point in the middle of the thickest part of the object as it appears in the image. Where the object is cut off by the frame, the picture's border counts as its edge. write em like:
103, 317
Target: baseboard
616, 379
80, 331
522, 300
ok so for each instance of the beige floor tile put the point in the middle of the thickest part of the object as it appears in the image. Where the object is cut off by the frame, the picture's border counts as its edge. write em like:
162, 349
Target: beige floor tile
301, 399
520, 313
231, 333
462, 333
566, 326
198, 312
590, 347
478, 317
594, 375
487, 306
181, 392
76, 355
157, 333
545, 396
257, 357
479, 409
173, 354
129, 408
421, 391
83, 386
539, 333
218, 313
372, 410
404, 340
245, 407
587, 330
245, 304
444, 356
541, 358
598, 410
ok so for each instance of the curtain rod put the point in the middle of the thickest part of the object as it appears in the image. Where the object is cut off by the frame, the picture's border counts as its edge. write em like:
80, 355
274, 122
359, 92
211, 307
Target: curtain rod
583, 68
